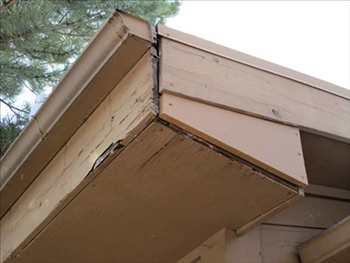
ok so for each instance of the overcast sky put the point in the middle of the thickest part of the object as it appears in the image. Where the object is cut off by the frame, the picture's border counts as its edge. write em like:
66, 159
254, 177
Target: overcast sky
310, 37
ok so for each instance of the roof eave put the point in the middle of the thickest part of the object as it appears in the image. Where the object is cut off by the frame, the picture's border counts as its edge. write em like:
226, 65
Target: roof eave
118, 45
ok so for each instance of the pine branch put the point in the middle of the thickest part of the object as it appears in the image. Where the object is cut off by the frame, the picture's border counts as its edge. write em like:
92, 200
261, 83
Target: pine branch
15, 58
14, 109
6, 37
63, 17
7, 5
31, 90
50, 53
31, 30
70, 35
38, 38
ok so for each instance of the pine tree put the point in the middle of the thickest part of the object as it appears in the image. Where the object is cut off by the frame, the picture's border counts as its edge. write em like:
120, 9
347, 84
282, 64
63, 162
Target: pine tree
39, 40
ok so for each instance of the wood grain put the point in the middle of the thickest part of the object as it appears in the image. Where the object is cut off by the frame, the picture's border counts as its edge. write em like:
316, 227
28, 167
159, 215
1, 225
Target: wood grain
158, 200
114, 51
207, 77
234, 55
127, 106
271, 146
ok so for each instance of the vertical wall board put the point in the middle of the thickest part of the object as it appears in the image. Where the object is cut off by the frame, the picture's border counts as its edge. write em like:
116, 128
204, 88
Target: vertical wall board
272, 146
157, 201
279, 243
244, 249
203, 76
128, 106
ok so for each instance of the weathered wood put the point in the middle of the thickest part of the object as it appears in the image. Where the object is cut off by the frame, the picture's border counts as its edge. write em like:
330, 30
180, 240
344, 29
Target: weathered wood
203, 76
313, 212
126, 109
251, 61
160, 193
279, 244
271, 146
112, 53
158, 200
333, 245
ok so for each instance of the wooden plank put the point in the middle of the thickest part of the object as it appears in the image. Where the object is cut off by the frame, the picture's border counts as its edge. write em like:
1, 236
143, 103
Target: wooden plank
271, 146
313, 212
251, 61
333, 245
203, 76
279, 244
125, 111
112, 53
158, 200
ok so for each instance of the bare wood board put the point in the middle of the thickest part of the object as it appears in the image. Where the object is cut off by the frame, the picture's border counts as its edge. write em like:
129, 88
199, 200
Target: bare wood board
159, 199
200, 75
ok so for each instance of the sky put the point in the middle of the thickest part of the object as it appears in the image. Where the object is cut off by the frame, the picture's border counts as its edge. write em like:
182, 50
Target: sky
310, 37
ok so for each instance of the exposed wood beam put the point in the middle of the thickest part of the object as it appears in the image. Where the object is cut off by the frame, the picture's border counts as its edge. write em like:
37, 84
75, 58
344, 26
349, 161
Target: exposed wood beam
333, 245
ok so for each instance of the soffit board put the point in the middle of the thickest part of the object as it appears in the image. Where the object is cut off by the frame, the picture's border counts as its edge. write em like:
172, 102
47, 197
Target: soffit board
156, 201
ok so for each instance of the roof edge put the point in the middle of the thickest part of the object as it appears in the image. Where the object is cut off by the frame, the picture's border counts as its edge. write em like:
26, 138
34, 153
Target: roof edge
71, 91
251, 61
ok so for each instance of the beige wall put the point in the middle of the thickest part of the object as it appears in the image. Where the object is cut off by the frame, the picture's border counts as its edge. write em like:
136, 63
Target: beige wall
277, 239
